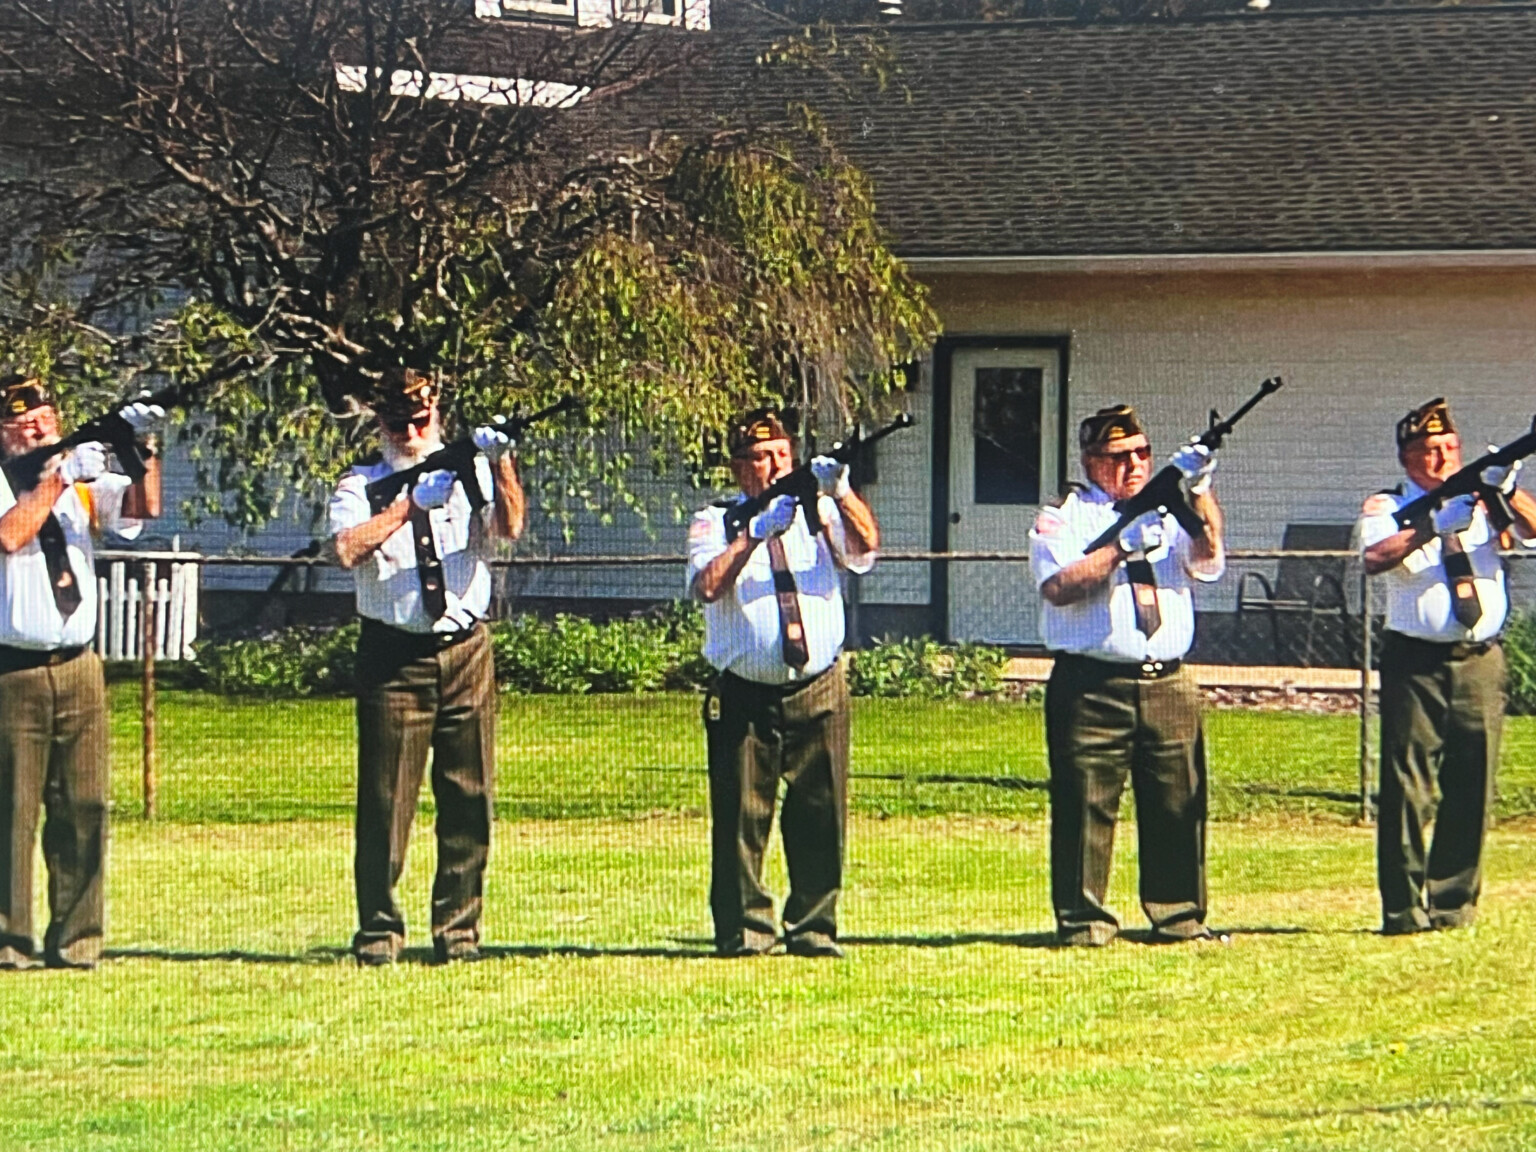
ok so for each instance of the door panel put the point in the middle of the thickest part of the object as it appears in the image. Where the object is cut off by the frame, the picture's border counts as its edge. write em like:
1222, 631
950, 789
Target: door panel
1005, 422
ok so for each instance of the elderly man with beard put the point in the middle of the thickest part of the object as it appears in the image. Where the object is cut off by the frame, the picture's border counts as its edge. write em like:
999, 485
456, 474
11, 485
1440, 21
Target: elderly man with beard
424, 671
1119, 704
773, 627
53, 720
1442, 676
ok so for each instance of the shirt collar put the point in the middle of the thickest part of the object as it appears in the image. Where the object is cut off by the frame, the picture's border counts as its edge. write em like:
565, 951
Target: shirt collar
1093, 494
1412, 491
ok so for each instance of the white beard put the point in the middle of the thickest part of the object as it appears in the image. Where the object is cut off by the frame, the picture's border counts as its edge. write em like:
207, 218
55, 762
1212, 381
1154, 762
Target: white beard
400, 459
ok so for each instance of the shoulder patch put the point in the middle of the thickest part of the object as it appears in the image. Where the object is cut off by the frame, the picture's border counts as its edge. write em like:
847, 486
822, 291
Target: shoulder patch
1379, 504
1073, 488
701, 529
1049, 522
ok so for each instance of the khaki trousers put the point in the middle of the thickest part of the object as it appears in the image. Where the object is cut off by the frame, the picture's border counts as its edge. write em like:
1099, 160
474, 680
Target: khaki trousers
53, 759
759, 735
1105, 723
1442, 713
414, 696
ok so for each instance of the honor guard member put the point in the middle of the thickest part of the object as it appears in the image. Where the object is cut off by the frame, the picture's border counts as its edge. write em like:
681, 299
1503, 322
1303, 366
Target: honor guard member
425, 680
773, 627
1442, 676
53, 719
1119, 703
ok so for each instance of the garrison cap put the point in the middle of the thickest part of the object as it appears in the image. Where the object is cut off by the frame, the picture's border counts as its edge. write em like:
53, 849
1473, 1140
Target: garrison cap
756, 427
1432, 418
403, 392
1107, 425
20, 394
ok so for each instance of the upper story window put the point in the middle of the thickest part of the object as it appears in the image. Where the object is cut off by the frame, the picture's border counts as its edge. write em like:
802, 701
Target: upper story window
684, 13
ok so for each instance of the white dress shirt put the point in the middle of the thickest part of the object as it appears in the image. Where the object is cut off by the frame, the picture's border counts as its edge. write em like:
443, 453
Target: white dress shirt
742, 630
29, 617
1103, 623
388, 587
1418, 597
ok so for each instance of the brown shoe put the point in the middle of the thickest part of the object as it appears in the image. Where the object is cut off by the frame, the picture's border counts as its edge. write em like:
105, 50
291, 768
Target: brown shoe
748, 943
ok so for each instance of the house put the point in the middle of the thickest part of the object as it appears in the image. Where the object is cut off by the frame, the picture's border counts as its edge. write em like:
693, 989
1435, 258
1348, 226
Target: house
1164, 214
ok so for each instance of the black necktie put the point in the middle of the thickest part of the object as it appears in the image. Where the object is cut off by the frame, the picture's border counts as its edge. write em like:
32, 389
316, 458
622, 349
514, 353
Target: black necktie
61, 577
1458, 575
429, 566
791, 629
1138, 569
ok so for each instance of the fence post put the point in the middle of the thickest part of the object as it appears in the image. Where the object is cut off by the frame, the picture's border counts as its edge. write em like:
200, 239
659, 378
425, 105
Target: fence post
1366, 756
147, 615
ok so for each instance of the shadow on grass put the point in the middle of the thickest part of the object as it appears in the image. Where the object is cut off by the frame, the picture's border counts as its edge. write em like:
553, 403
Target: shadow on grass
1299, 793
1407, 1106
1006, 783
316, 956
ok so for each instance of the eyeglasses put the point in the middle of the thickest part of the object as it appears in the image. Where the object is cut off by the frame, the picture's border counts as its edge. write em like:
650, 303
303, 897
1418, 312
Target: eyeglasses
1127, 456
398, 424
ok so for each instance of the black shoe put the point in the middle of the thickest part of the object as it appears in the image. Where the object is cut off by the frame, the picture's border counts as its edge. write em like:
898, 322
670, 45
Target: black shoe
1088, 936
813, 944
456, 951
748, 943
1201, 936
54, 960
373, 957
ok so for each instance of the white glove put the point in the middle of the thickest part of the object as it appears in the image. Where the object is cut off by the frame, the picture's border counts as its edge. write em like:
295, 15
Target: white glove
1196, 462
1501, 476
84, 464
141, 417
1453, 516
1143, 534
493, 441
773, 520
831, 476
433, 489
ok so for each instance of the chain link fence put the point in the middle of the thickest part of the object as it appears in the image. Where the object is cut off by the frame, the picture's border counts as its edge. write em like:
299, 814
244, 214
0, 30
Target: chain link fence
1291, 629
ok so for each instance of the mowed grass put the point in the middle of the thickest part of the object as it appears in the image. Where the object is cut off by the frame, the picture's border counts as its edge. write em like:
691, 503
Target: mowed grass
225, 1017
228, 1017
560, 757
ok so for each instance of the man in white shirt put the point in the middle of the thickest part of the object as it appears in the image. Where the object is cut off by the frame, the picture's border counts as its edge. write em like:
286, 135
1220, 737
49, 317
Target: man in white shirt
773, 627
53, 718
1119, 703
425, 678
1442, 676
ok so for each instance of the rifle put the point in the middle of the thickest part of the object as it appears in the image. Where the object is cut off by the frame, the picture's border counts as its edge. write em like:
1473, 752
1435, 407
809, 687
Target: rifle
1165, 491
1469, 481
801, 483
24, 471
458, 458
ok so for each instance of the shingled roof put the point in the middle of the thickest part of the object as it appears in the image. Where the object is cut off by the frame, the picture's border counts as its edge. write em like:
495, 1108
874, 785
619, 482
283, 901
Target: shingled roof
1322, 132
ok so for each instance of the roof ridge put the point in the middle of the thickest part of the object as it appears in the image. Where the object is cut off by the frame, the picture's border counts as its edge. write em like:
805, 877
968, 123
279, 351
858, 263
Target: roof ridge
1321, 11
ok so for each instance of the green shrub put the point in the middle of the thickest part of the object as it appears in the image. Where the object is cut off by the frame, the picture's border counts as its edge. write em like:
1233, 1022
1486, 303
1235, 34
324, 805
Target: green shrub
1520, 654
293, 662
926, 668
571, 654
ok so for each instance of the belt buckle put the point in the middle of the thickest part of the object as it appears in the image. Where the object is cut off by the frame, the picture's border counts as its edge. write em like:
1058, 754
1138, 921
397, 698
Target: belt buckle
1151, 669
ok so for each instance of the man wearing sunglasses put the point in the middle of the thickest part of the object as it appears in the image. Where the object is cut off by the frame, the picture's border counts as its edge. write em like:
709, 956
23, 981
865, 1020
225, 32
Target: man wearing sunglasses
53, 717
1119, 702
425, 679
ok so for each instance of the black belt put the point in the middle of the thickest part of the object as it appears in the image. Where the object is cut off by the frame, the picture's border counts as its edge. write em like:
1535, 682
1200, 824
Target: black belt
1442, 649
22, 659
1146, 670
377, 632
786, 689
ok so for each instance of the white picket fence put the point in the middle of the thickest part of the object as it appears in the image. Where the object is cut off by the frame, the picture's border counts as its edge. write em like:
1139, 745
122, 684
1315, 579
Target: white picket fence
169, 587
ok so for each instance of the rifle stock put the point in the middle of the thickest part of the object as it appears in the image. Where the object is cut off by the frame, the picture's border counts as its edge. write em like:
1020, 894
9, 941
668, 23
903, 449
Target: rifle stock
1165, 491
801, 482
458, 458
110, 429
1468, 481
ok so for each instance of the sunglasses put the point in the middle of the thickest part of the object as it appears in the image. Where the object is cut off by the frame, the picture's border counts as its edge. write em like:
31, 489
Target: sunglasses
1125, 457
398, 424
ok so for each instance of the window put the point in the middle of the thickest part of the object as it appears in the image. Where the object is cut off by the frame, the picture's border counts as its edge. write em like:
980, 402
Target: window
1006, 426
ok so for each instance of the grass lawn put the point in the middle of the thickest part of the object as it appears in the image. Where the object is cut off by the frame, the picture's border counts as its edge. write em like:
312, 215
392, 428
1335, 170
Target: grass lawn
226, 1019
224, 759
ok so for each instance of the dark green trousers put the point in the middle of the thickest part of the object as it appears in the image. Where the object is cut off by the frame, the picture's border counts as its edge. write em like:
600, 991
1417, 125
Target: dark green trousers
1105, 723
759, 735
53, 759
1442, 713
415, 696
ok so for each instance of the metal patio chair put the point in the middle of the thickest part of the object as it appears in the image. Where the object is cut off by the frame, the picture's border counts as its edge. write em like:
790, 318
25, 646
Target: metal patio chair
1305, 586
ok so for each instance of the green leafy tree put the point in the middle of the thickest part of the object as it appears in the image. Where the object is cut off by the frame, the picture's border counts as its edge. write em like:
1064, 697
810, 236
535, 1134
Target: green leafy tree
280, 199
